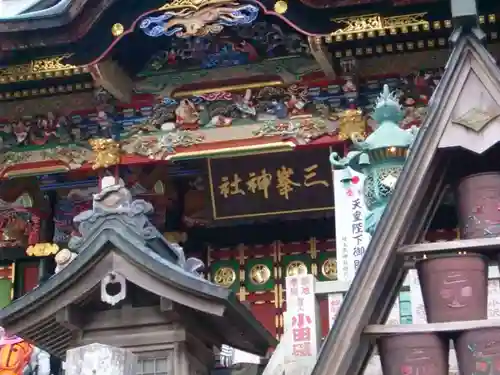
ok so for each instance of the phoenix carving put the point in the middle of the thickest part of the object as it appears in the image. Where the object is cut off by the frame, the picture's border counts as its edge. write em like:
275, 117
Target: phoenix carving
189, 22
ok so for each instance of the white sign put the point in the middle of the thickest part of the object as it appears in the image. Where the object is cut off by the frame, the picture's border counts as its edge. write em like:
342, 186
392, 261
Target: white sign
351, 239
334, 302
493, 299
394, 316
417, 302
350, 211
301, 326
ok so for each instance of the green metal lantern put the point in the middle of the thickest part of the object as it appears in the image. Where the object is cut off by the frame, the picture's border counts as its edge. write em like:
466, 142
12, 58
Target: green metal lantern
380, 157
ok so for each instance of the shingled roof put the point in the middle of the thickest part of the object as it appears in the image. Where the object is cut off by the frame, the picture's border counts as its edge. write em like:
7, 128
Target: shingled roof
471, 77
117, 238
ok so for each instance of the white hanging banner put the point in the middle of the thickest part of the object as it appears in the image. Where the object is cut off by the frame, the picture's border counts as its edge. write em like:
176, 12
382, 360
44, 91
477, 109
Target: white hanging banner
351, 239
417, 301
350, 211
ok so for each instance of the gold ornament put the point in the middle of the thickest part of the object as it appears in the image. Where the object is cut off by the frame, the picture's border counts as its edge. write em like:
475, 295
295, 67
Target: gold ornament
280, 7
351, 123
191, 4
225, 276
476, 119
329, 268
107, 152
296, 268
117, 29
38, 69
260, 274
42, 250
376, 22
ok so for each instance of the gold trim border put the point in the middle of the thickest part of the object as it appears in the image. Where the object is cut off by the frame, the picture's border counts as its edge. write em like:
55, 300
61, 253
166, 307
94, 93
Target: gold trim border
228, 88
234, 151
52, 90
46, 68
418, 45
375, 25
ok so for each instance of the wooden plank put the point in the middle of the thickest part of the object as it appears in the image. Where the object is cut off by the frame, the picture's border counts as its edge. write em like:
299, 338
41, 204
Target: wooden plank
389, 329
472, 245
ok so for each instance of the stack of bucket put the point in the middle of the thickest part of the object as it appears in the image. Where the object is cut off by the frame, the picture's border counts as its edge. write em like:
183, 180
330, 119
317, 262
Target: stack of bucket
454, 289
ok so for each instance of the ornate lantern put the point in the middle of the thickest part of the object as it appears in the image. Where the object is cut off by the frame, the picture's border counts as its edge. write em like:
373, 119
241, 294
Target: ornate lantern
380, 157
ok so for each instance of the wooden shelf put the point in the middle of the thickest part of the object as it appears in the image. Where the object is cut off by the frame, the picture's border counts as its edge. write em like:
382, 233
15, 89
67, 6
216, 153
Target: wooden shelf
390, 329
474, 245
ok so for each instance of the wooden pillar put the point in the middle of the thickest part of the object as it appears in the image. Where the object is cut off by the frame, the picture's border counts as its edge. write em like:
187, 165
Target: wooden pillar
464, 13
98, 359
465, 17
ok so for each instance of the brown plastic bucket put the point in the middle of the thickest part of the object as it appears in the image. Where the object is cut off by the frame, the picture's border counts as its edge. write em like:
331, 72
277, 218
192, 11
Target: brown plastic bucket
454, 287
478, 211
413, 354
478, 351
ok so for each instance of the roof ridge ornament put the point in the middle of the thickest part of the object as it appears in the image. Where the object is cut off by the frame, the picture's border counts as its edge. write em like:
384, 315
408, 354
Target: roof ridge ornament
114, 201
387, 107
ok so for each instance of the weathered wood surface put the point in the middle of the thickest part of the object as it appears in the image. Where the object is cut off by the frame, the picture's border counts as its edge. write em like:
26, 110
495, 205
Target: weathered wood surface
98, 359
391, 329
476, 244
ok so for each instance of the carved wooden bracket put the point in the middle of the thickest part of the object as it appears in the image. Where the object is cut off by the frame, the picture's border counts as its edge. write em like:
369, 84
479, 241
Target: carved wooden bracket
110, 76
320, 52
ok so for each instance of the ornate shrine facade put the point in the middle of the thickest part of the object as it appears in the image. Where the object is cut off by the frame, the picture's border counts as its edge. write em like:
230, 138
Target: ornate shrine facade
220, 113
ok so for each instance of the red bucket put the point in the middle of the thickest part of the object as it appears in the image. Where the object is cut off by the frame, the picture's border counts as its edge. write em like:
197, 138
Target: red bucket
478, 205
413, 354
454, 287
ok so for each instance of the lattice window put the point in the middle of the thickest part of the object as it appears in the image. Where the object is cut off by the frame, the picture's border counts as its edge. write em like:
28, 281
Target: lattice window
153, 366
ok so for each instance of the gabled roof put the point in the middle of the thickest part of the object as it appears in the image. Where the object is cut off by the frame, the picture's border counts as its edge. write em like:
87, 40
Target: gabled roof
116, 236
31, 9
33, 14
380, 275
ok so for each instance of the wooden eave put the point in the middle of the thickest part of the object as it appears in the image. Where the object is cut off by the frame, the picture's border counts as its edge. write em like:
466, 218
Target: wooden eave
345, 350
113, 248
92, 23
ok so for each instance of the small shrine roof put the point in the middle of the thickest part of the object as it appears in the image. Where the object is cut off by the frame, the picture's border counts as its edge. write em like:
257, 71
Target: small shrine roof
116, 231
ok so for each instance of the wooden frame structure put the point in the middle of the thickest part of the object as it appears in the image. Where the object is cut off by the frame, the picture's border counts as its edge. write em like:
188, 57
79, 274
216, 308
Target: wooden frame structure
420, 188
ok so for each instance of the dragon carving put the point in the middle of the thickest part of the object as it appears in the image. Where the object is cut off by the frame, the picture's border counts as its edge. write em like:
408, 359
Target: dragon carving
200, 22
